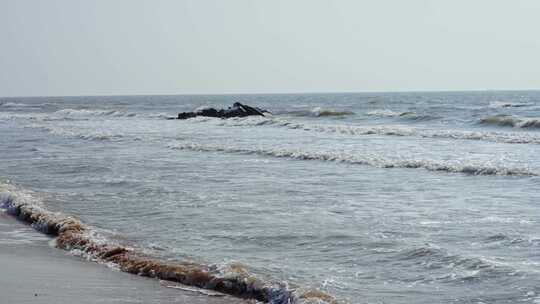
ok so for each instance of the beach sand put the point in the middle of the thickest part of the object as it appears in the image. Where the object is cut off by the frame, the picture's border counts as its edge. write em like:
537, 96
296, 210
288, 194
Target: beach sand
32, 271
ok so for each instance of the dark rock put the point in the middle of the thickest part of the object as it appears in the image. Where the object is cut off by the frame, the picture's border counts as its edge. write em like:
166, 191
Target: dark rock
237, 110
186, 115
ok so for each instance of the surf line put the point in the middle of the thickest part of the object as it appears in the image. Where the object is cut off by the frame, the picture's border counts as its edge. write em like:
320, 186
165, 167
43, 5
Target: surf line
72, 234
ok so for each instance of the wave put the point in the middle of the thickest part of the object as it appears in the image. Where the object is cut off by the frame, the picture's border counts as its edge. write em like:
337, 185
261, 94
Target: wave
73, 235
79, 114
387, 113
456, 267
507, 104
94, 134
362, 159
501, 239
9, 104
67, 114
407, 114
155, 115
92, 113
320, 112
511, 121
19, 105
499, 137
389, 130
383, 130
315, 112
343, 129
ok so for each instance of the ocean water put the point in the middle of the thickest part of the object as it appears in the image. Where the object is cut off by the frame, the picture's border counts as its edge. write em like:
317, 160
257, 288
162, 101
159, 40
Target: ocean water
369, 197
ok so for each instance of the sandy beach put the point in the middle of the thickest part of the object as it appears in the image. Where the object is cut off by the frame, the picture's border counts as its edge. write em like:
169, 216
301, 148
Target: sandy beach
32, 271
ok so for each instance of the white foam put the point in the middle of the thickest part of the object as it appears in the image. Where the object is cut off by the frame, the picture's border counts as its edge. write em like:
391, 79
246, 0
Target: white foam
87, 133
392, 130
384, 113
507, 104
318, 111
13, 104
92, 113
473, 168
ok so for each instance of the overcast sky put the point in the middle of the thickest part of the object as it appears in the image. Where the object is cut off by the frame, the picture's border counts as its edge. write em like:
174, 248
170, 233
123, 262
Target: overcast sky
113, 47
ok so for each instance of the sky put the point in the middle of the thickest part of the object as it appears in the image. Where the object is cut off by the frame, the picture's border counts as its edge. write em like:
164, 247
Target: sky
132, 47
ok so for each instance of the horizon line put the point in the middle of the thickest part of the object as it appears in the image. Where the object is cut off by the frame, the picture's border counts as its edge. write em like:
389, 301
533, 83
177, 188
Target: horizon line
282, 93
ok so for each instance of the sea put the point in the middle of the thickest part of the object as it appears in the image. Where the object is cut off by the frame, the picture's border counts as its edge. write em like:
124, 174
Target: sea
414, 197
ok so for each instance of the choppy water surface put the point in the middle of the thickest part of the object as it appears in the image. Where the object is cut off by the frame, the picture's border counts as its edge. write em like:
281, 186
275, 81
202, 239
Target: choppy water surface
379, 197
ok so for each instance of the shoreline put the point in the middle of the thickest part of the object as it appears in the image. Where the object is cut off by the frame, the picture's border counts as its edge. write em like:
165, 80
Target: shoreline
35, 272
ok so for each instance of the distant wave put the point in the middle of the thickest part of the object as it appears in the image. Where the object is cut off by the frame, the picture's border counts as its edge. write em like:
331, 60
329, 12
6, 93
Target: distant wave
390, 130
507, 104
355, 130
387, 113
511, 121
10, 104
156, 115
316, 112
344, 129
407, 114
85, 113
500, 137
95, 134
80, 114
361, 159
91, 113
73, 235
68, 114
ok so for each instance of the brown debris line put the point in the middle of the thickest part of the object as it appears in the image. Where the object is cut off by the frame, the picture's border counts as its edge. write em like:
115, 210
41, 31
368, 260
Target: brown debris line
186, 273
72, 234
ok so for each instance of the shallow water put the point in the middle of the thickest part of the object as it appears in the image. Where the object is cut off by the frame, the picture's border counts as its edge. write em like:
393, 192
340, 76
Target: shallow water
379, 197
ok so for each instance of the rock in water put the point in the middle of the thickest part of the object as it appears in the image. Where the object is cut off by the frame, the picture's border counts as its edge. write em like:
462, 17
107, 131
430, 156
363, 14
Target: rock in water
237, 110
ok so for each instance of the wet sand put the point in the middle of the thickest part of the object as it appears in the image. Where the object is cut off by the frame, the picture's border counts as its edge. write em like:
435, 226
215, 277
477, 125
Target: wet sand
32, 271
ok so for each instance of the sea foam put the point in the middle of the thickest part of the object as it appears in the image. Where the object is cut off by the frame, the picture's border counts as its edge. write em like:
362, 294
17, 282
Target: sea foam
388, 130
472, 168
71, 234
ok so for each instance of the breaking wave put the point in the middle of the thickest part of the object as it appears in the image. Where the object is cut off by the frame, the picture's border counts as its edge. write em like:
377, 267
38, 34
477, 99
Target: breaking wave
320, 112
362, 159
507, 104
408, 115
20, 105
315, 112
391, 130
343, 129
92, 113
511, 121
73, 235
94, 134
499, 137
9, 104
79, 114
